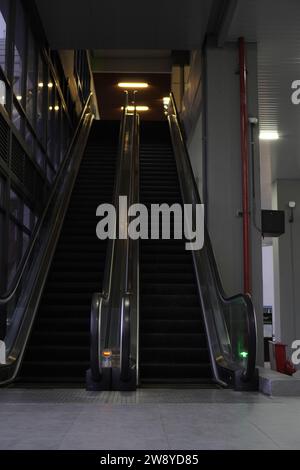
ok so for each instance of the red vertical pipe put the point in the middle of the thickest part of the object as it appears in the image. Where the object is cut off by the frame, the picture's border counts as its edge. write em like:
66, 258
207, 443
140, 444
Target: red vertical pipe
245, 165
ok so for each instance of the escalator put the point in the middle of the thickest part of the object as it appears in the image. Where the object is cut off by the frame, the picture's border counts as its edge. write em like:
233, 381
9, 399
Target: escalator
58, 348
166, 319
173, 343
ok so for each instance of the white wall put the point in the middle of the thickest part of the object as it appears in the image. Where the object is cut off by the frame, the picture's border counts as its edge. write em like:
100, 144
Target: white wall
195, 148
268, 276
287, 264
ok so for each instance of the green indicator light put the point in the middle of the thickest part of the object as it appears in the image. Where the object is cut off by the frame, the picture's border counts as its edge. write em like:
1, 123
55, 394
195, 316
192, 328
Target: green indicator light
244, 354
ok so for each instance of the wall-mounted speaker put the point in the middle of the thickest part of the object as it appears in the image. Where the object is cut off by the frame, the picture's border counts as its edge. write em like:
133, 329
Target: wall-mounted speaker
272, 223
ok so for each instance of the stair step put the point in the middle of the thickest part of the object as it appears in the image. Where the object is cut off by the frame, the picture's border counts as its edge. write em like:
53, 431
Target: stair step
176, 355
62, 324
80, 298
164, 268
64, 311
173, 345
183, 326
171, 370
55, 369
59, 353
58, 348
154, 340
76, 276
171, 277
170, 313
166, 258
168, 289
60, 338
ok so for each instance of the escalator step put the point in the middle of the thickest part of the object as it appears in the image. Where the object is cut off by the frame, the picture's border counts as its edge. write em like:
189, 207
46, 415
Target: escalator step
170, 370
176, 355
173, 344
172, 340
58, 348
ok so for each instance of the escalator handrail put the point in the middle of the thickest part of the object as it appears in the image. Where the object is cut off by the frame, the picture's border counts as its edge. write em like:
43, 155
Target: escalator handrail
107, 280
103, 300
125, 338
8, 295
251, 318
131, 263
99, 298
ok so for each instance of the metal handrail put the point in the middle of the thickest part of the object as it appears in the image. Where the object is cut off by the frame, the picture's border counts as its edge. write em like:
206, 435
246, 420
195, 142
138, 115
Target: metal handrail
125, 325
248, 373
115, 302
99, 300
7, 296
125, 338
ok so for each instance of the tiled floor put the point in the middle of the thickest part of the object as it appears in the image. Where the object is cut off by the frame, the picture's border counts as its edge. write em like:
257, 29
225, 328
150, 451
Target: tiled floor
148, 419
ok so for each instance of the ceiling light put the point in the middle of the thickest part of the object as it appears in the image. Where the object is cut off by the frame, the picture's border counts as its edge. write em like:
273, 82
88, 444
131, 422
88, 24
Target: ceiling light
41, 85
50, 85
19, 97
56, 108
138, 108
133, 85
268, 135
50, 108
166, 100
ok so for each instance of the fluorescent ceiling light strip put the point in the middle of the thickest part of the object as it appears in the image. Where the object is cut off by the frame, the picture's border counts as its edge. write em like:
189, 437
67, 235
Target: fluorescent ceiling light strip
269, 135
132, 85
138, 108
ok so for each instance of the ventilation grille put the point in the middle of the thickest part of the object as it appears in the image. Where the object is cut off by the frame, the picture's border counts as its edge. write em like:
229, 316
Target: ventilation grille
4, 139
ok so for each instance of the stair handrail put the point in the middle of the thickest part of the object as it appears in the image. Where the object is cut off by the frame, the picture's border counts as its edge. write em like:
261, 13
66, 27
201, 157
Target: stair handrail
10, 293
132, 263
98, 298
115, 304
249, 372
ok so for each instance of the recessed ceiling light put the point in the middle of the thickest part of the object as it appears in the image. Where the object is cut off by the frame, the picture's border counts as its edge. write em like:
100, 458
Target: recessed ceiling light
132, 85
269, 135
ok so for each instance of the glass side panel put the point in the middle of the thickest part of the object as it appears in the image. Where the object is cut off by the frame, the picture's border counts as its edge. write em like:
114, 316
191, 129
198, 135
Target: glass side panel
31, 78
14, 244
41, 118
40, 158
17, 120
4, 8
19, 52
25, 243
15, 205
27, 217
3, 93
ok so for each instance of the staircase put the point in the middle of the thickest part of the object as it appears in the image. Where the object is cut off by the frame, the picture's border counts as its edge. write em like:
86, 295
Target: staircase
173, 344
58, 349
